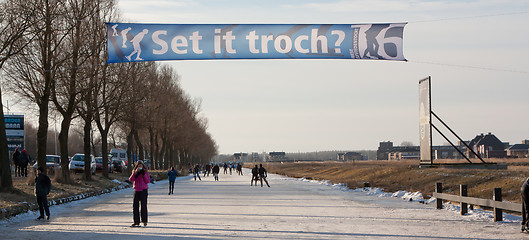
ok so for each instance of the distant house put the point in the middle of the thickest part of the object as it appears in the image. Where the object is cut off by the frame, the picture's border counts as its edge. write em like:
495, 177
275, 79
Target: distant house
487, 146
383, 149
349, 156
518, 150
277, 156
404, 152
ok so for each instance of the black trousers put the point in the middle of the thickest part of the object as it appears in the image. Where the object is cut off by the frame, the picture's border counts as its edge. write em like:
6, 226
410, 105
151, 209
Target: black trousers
171, 186
140, 197
42, 201
525, 205
24, 171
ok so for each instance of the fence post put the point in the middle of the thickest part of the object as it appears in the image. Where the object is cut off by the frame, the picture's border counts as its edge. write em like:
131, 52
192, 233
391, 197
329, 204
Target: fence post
463, 193
439, 189
498, 213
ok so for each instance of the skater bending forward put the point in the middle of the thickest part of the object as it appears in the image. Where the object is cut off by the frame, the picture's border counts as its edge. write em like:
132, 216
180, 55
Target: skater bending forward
140, 177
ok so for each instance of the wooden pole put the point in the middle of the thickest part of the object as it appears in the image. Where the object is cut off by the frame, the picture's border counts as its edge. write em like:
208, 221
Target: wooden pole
498, 213
439, 189
463, 193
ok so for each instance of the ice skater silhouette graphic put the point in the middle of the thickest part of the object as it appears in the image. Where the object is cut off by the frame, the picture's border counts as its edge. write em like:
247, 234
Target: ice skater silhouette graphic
136, 44
115, 33
124, 36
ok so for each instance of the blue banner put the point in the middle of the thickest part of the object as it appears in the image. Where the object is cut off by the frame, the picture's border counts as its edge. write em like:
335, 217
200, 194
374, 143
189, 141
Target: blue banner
133, 42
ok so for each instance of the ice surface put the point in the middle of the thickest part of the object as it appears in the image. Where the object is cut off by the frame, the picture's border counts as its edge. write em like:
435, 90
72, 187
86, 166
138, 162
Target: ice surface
232, 209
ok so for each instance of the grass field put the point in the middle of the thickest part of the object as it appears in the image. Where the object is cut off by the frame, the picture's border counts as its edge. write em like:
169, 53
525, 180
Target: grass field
405, 175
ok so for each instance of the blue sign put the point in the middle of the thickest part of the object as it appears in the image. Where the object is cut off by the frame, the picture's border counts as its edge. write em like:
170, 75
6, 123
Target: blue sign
14, 131
132, 42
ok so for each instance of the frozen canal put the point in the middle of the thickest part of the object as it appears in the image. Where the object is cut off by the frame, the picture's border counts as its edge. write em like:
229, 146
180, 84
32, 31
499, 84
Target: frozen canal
231, 209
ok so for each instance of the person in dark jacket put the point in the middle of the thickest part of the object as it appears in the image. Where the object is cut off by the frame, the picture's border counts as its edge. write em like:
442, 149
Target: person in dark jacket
262, 175
239, 169
25, 159
172, 178
42, 189
16, 162
525, 205
255, 175
216, 170
196, 172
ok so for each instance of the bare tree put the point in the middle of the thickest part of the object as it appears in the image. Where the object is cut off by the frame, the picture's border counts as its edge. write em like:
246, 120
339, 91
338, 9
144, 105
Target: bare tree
32, 74
16, 20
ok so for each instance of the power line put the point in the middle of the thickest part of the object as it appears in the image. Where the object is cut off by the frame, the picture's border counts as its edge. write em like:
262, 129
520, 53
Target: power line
472, 67
470, 17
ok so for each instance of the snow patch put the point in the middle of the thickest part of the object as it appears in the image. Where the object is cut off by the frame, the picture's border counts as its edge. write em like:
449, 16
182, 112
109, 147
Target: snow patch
476, 213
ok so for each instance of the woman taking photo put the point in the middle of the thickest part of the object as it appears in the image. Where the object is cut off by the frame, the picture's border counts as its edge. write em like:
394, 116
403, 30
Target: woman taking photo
140, 177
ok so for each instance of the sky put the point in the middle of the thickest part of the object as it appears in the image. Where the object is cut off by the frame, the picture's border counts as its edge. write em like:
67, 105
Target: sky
475, 52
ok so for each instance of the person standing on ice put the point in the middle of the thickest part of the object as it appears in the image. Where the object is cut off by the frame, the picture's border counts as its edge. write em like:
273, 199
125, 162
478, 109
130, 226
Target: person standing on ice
525, 205
255, 175
42, 189
172, 178
262, 175
225, 168
140, 178
216, 170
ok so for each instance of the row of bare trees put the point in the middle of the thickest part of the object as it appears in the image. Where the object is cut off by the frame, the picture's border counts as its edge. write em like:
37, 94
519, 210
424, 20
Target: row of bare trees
58, 60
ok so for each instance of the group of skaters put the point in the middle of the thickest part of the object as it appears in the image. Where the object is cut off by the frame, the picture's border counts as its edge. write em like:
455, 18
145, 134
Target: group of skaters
215, 170
259, 173
21, 160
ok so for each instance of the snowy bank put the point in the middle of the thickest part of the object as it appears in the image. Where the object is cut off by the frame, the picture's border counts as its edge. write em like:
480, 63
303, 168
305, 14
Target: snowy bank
24, 207
417, 197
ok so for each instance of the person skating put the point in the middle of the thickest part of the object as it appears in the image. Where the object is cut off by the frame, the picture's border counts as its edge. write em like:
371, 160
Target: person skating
225, 168
172, 177
239, 169
255, 175
262, 175
140, 178
525, 205
42, 189
207, 169
216, 170
196, 172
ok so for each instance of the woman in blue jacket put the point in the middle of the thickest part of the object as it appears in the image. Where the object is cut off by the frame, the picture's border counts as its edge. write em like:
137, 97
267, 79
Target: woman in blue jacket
172, 177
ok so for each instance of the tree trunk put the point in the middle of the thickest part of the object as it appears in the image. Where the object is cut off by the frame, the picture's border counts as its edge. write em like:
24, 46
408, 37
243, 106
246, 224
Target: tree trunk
141, 154
86, 148
6, 183
130, 145
104, 151
151, 148
157, 151
63, 146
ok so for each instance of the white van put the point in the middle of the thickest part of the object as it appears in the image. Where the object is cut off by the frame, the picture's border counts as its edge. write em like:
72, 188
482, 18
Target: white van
119, 155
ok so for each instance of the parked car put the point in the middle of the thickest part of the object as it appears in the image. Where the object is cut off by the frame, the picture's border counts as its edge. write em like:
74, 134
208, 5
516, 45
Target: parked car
53, 162
77, 163
118, 165
99, 164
